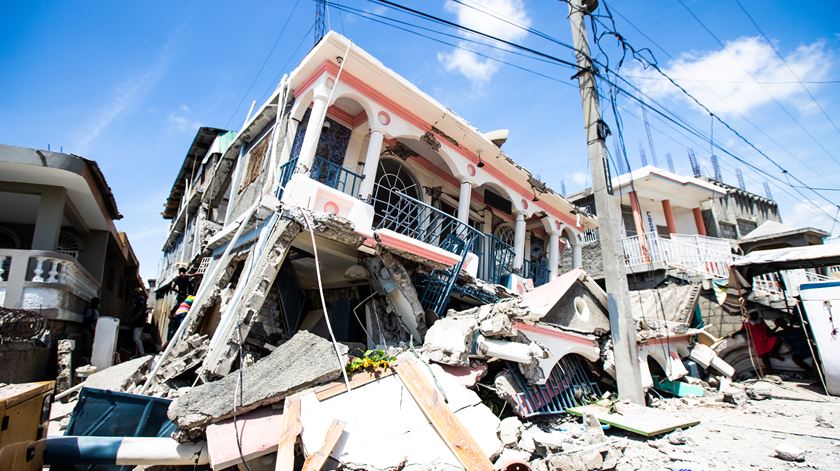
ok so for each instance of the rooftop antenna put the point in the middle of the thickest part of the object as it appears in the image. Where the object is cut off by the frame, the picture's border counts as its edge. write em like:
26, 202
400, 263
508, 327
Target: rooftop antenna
320, 19
767, 191
562, 187
643, 155
670, 161
740, 176
716, 167
695, 167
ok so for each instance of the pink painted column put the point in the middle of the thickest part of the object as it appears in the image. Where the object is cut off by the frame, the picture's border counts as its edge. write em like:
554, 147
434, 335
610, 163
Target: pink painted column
640, 228
698, 220
669, 217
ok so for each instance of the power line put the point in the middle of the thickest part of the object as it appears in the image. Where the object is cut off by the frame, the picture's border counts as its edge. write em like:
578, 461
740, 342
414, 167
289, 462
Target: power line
789, 68
775, 100
665, 114
714, 92
265, 61
765, 82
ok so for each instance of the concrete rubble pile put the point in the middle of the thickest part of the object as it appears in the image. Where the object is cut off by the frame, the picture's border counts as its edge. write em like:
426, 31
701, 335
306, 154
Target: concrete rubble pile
523, 382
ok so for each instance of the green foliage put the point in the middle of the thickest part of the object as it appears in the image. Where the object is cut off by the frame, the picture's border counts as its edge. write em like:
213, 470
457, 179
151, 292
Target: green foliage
371, 360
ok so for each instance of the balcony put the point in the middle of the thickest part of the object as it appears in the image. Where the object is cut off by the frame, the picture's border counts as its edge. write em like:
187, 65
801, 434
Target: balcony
709, 257
495, 258
536, 270
45, 281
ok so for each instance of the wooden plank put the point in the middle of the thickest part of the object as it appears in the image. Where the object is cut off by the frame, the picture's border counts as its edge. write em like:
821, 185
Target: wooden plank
290, 428
358, 379
635, 418
450, 429
316, 460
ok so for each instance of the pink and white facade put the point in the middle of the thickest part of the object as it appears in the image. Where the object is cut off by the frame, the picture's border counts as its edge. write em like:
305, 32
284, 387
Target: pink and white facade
362, 142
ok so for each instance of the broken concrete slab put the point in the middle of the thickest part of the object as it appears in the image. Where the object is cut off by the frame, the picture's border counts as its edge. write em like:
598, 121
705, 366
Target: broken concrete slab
385, 409
573, 300
276, 242
303, 361
635, 418
120, 376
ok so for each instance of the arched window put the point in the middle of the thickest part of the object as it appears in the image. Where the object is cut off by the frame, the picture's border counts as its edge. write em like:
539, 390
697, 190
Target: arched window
69, 244
393, 176
505, 233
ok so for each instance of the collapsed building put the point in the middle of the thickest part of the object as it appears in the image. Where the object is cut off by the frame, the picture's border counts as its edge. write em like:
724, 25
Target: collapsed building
408, 209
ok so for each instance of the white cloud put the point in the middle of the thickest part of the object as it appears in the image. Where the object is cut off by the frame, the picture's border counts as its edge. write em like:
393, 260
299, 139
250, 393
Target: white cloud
579, 178
725, 79
180, 119
483, 17
124, 96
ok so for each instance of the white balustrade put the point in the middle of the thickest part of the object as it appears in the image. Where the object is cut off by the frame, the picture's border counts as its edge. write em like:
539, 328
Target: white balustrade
699, 254
50, 268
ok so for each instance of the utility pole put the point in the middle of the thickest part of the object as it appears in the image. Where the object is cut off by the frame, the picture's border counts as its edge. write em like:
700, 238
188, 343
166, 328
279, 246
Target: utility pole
622, 327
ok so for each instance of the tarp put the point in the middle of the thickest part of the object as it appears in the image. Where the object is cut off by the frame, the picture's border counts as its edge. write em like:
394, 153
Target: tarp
760, 262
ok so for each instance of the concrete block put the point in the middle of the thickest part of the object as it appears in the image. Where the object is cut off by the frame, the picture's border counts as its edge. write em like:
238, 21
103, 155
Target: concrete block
303, 361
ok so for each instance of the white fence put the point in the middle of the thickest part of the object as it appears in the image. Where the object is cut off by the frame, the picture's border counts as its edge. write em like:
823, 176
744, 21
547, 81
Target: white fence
703, 255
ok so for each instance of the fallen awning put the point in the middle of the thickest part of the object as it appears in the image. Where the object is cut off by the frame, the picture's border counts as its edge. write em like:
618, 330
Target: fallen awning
760, 262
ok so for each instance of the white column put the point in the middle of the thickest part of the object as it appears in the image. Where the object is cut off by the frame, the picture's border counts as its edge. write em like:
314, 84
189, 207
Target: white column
519, 242
464, 202
371, 162
553, 255
313, 131
488, 221
577, 255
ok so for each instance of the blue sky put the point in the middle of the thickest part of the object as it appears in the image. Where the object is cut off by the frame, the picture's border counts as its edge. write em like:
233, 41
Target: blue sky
127, 84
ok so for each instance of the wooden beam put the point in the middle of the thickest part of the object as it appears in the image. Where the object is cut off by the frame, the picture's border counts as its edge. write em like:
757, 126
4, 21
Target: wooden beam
316, 460
450, 429
290, 428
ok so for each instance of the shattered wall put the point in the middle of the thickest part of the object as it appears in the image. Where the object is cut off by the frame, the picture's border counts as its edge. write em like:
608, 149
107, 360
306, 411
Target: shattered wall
590, 260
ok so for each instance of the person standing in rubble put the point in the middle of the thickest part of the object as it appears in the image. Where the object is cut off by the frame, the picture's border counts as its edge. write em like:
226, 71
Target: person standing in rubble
183, 287
763, 341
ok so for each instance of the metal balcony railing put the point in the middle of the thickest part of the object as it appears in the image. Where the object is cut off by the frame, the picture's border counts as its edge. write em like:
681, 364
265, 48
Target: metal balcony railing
535, 270
401, 213
335, 176
411, 217
495, 258
285, 174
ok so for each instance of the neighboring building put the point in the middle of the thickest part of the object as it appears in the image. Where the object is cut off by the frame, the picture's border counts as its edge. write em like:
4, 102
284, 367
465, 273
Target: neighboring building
775, 235
662, 223
737, 213
58, 244
356, 140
